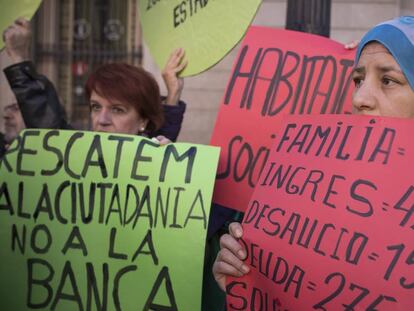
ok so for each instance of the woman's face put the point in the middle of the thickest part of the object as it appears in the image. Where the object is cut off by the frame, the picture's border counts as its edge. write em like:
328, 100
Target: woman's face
114, 116
381, 88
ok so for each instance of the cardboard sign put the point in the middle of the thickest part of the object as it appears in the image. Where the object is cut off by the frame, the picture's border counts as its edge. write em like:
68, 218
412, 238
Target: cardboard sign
103, 222
11, 10
277, 72
330, 224
206, 29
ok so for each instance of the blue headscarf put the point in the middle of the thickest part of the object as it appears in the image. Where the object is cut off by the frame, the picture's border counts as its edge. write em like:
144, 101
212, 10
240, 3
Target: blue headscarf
397, 35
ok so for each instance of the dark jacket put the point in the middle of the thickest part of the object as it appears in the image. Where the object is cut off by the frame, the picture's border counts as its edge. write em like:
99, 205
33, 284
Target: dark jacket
41, 108
2, 145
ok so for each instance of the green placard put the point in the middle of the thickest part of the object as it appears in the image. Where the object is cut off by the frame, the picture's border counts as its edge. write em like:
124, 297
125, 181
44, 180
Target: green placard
102, 221
11, 10
206, 29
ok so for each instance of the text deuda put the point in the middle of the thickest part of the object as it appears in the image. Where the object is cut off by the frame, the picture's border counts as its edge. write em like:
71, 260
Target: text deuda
95, 158
274, 71
285, 276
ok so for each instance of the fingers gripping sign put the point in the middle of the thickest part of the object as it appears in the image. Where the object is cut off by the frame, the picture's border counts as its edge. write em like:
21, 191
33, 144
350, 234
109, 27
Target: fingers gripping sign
170, 74
11, 10
17, 39
230, 259
161, 140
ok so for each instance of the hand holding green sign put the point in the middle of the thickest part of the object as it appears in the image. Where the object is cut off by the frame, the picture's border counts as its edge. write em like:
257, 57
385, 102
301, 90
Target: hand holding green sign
206, 29
103, 221
10, 10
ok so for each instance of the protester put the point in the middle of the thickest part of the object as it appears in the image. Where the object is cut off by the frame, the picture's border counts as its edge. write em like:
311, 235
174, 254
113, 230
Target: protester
41, 108
13, 122
384, 86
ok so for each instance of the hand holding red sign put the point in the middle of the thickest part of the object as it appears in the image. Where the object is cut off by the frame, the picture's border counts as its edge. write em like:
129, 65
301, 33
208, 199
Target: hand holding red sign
330, 223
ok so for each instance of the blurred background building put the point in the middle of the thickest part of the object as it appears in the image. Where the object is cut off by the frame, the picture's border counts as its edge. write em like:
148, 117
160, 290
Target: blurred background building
72, 37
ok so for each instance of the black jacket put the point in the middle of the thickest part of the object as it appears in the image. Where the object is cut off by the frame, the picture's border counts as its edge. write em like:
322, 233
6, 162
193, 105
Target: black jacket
2, 145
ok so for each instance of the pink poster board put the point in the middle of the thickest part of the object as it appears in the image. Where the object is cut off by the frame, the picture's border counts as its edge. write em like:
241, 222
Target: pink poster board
330, 225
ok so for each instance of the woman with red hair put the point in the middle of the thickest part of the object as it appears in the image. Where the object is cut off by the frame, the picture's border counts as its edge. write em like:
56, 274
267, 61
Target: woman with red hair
123, 99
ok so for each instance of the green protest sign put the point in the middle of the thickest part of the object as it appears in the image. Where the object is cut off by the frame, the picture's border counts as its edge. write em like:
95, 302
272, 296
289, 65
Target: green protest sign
10, 10
206, 29
103, 221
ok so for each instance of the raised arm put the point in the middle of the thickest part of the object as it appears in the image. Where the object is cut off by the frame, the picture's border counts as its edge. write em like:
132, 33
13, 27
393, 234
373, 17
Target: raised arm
35, 94
170, 74
174, 108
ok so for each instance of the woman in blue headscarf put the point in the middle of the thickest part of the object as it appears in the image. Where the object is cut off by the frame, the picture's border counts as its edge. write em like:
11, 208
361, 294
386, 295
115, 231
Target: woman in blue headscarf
384, 86
384, 71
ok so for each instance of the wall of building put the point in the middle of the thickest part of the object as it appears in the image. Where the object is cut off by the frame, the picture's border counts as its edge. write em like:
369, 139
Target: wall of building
407, 7
351, 19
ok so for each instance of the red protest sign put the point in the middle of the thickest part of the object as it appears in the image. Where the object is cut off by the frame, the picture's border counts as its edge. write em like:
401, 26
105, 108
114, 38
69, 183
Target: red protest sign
330, 224
277, 72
